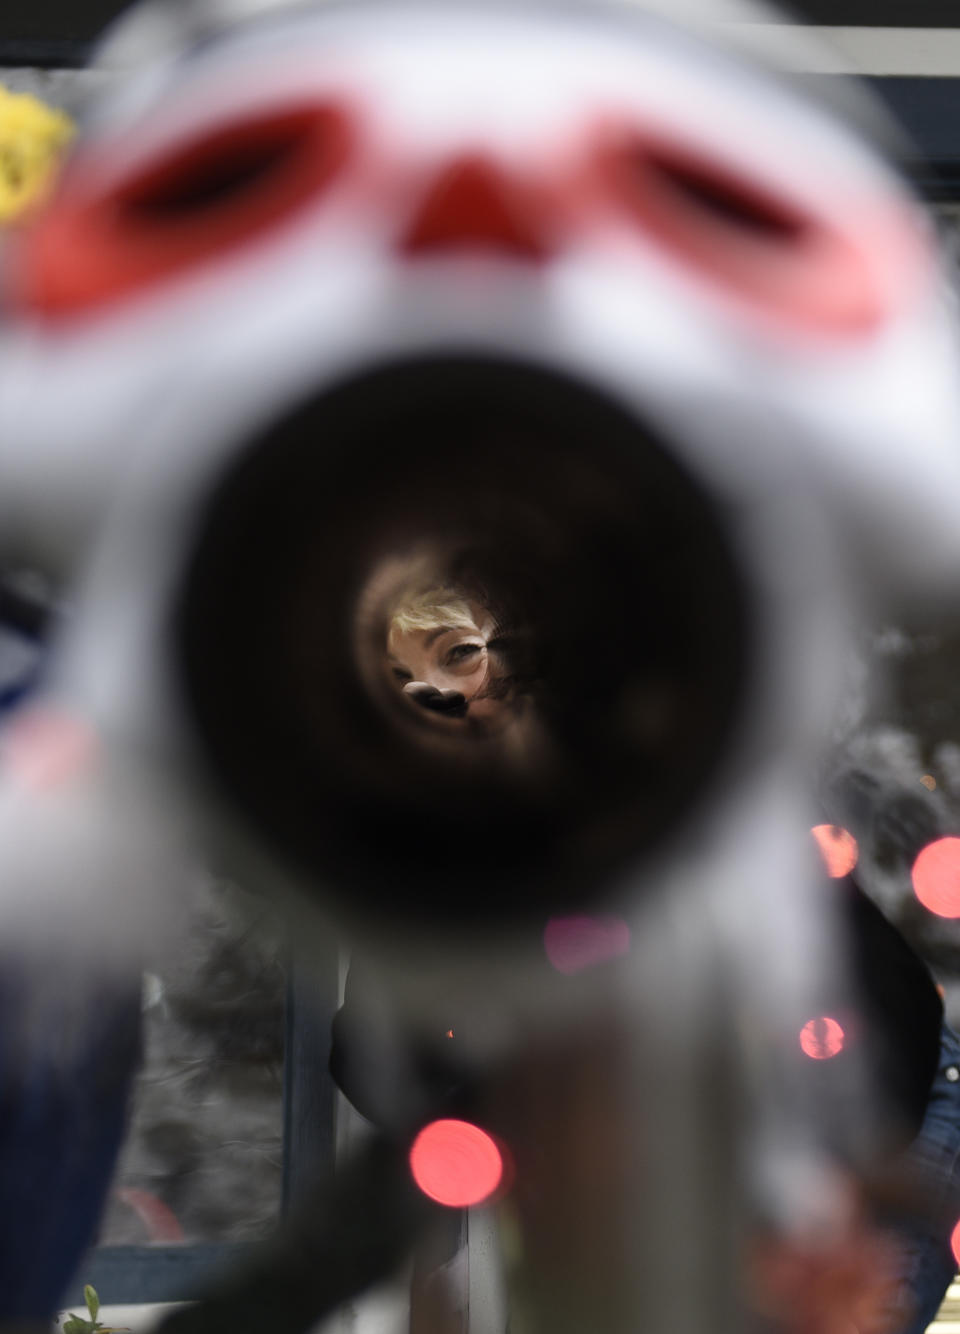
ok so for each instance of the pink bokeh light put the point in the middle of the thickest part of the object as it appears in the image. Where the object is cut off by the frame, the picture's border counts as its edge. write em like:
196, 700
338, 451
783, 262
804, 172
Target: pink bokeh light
822, 1038
575, 943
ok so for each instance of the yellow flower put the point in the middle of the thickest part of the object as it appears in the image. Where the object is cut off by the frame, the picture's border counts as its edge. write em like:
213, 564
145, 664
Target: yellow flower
32, 138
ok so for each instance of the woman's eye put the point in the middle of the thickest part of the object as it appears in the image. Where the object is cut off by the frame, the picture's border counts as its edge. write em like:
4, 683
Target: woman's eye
402, 674
462, 654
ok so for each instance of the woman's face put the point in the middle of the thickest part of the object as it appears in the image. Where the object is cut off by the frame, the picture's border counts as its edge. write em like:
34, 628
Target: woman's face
453, 660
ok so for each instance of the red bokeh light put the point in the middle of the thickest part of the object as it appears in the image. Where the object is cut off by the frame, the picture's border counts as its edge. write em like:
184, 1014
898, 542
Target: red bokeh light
838, 848
955, 1243
456, 1163
575, 943
936, 877
822, 1038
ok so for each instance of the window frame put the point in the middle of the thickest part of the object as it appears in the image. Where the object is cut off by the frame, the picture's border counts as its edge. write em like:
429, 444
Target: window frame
129, 1275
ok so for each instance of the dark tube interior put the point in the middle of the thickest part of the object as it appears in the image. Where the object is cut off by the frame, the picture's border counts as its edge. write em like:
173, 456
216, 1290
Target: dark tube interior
621, 629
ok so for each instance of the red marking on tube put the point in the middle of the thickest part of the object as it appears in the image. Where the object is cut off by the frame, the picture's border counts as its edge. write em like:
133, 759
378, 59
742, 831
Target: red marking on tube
473, 203
189, 205
835, 271
456, 1163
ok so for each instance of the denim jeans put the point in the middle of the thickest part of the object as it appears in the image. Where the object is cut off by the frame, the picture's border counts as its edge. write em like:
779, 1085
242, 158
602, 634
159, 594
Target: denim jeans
932, 1166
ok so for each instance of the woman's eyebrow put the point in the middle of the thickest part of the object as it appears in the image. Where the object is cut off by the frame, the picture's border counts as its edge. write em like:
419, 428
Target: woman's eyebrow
434, 635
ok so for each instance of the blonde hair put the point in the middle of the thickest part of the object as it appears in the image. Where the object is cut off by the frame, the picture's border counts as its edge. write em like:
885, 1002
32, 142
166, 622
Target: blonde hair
430, 609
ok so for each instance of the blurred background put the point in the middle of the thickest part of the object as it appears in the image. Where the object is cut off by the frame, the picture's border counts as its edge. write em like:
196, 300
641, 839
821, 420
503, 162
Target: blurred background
234, 1085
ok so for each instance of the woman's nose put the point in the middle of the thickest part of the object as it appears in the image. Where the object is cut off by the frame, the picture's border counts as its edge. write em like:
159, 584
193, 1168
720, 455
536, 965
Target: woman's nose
449, 702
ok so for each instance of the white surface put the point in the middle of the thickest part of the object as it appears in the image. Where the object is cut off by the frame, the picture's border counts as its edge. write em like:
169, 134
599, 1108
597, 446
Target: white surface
934, 52
138, 1319
385, 1310
487, 1282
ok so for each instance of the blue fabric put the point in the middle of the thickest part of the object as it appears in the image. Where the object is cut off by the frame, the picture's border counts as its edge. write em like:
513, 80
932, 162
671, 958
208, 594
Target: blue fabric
932, 1167
22, 666
69, 1047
